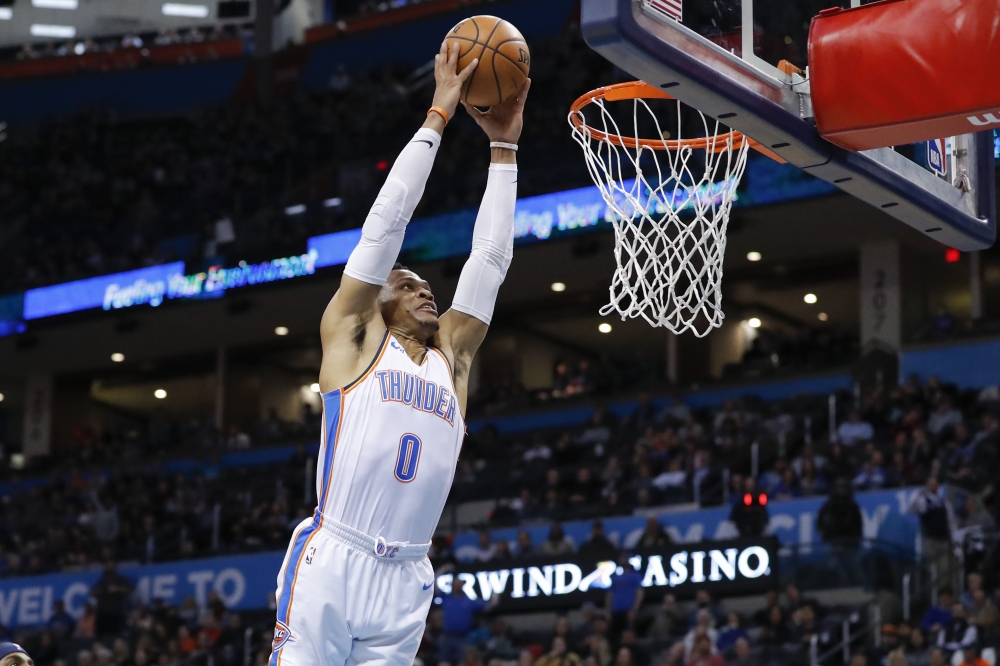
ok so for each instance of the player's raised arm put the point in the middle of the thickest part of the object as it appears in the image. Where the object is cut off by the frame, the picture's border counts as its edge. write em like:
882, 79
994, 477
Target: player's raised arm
351, 326
464, 326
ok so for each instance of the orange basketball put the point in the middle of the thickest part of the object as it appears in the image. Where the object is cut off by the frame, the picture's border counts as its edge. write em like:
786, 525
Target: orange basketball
503, 55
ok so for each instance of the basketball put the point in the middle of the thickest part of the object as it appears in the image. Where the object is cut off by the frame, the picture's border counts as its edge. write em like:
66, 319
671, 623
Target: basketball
504, 59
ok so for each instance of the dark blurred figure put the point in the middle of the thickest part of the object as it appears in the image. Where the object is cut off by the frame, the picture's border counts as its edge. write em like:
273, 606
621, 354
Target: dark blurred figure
839, 523
597, 548
61, 623
458, 612
112, 592
935, 513
654, 536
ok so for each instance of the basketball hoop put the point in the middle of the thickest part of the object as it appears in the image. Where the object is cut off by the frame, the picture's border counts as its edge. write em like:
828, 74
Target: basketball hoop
669, 202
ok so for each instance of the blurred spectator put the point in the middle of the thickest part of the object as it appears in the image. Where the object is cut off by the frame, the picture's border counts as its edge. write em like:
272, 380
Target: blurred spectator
558, 655
703, 626
111, 592
889, 642
916, 649
86, 626
703, 655
61, 623
730, 633
982, 613
742, 655
840, 524
623, 599
971, 656
653, 535
944, 416
896, 658
486, 548
763, 616
524, 545
959, 633
775, 632
703, 601
637, 653
935, 514
597, 548
854, 430
668, 622
458, 612
557, 543
973, 582
872, 475
939, 616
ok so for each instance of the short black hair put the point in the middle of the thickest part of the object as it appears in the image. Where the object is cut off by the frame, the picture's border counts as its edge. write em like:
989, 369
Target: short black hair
400, 267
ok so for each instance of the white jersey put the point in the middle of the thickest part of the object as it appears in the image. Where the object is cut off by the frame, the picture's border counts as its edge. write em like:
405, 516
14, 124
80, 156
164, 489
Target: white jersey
390, 445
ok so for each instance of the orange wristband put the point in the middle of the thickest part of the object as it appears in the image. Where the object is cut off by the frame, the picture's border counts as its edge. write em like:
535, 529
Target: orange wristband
441, 112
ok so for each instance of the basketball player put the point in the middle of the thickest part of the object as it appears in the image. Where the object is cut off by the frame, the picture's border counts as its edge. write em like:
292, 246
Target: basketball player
12, 654
356, 584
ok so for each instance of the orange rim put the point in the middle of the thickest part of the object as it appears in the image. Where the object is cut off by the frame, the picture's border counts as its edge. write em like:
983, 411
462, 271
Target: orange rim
641, 90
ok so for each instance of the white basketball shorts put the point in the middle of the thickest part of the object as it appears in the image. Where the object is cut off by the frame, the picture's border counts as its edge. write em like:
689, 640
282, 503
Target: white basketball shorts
340, 604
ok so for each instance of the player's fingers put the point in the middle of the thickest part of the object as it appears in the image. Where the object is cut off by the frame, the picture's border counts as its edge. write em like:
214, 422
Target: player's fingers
453, 56
522, 94
442, 55
471, 110
469, 69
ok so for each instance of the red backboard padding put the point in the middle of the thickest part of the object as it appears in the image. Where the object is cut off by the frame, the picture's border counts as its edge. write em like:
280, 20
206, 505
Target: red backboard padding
902, 71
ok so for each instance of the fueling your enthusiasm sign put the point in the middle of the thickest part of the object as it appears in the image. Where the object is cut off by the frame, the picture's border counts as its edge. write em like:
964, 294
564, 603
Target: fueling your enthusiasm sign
745, 566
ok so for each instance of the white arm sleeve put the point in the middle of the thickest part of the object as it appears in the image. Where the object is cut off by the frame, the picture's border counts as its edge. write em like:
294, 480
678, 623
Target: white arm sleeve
492, 246
382, 234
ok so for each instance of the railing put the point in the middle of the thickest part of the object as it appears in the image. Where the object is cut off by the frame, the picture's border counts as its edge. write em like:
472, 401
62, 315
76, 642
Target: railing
126, 58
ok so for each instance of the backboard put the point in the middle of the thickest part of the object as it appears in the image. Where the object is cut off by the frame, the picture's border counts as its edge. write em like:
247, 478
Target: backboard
725, 58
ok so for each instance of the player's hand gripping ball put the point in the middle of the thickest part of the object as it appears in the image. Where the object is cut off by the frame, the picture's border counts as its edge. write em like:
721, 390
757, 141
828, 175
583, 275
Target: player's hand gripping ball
504, 59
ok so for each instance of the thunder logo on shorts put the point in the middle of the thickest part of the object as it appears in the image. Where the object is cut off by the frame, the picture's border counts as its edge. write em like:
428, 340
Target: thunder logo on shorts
282, 635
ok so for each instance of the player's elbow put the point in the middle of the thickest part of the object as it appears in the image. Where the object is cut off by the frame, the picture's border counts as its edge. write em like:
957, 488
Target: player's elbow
386, 215
493, 256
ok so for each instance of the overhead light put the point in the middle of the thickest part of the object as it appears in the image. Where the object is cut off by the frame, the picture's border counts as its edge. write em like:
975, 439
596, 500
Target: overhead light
754, 322
604, 328
188, 11
810, 298
55, 4
281, 330
333, 203
79, 48
1, 397
822, 316
6, 13
159, 394
558, 286
753, 256
118, 357
297, 209
314, 387
58, 31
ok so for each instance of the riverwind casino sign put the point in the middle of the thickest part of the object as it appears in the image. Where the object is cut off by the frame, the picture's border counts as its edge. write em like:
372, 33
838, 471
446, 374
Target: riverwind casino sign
724, 568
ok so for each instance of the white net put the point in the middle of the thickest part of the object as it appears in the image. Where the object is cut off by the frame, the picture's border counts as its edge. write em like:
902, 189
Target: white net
669, 207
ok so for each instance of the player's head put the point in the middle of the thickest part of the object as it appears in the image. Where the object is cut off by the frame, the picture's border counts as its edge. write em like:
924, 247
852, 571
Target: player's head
407, 304
12, 654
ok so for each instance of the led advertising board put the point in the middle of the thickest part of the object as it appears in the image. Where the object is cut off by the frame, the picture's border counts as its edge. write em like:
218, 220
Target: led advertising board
724, 568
